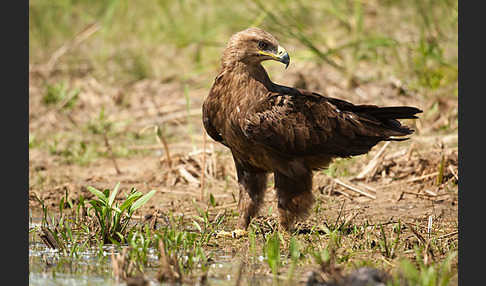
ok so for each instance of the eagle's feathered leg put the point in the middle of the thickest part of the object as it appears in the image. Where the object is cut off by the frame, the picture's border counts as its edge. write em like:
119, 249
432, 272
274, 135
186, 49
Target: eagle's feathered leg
252, 184
294, 197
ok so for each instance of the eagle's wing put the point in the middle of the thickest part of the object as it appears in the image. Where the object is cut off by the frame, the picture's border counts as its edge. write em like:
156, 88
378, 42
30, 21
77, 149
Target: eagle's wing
299, 122
209, 113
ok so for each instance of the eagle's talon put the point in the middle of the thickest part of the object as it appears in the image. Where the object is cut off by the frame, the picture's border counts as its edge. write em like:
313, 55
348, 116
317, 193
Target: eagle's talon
237, 233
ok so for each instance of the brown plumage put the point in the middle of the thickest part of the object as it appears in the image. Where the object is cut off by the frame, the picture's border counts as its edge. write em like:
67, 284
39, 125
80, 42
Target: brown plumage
287, 131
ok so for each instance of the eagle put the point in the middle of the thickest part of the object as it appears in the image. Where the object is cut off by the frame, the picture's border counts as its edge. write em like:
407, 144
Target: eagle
290, 132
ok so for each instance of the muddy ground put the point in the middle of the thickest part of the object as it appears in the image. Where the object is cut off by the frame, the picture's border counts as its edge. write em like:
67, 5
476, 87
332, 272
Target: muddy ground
108, 136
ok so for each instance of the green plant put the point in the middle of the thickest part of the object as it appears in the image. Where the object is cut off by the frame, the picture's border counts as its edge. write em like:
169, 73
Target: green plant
186, 247
339, 168
294, 253
272, 252
79, 152
208, 227
113, 218
140, 241
60, 94
32, 141
438, 274
99, 124
252, 242
389, 248
62, 232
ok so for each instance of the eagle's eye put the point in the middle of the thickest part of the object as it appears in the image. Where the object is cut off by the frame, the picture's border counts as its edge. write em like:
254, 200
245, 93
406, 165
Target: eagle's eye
262, 45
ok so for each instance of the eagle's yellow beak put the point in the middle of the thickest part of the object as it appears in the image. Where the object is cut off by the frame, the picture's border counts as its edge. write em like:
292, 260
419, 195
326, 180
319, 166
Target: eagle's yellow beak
281, 55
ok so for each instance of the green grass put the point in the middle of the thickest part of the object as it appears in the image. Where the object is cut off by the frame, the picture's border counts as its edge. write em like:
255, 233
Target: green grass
416, 40
60, 94
105, 221
112, 218
85, 144
81, 225
438, 274
272, 252
340, 167
191, 243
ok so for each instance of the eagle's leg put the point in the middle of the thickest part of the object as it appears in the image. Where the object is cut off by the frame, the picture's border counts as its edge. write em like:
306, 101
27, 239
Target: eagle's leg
295, 197
252, 184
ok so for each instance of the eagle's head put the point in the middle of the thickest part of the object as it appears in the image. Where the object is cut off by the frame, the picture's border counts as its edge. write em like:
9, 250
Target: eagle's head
252, 46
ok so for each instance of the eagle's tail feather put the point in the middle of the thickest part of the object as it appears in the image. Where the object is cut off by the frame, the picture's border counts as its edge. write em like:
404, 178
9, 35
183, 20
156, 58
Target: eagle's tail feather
395, 112
389, 116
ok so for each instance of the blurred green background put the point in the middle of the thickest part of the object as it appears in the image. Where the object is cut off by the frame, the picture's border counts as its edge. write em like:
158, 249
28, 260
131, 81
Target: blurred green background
413, 40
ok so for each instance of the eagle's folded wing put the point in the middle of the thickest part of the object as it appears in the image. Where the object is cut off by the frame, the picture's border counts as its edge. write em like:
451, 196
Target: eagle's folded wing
298, 122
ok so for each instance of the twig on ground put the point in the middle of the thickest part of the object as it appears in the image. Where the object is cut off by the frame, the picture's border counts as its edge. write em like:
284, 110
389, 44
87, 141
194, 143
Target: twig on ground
448, 235
367, 187
354, 189
396, 155
416, 233
425, 196
429, 192
453, 172
373, 163
350, 217
186, 175
409, 180
341, 192
400, 197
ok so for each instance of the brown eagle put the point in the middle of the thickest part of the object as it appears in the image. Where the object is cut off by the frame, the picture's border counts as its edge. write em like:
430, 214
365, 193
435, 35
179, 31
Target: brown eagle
288, 131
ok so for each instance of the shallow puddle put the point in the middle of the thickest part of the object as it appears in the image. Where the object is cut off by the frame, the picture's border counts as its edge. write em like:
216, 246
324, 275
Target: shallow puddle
94, 267
50, 267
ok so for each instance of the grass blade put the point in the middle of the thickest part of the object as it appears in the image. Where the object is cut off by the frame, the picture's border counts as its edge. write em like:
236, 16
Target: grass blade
141, 201
98, 193
111, 199
129, 201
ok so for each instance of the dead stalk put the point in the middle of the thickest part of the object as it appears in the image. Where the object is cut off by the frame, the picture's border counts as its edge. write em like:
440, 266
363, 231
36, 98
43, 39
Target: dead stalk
161, 140
354, 189
453, 172
169, 267
203, 167
373, 163
342, 193
448, 235
238, 275
48, 238
440, 175
76, 41
409, 180
110, 151
180, 115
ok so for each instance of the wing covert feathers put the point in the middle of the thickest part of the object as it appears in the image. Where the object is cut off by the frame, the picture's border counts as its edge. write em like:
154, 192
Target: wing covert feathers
311, 124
